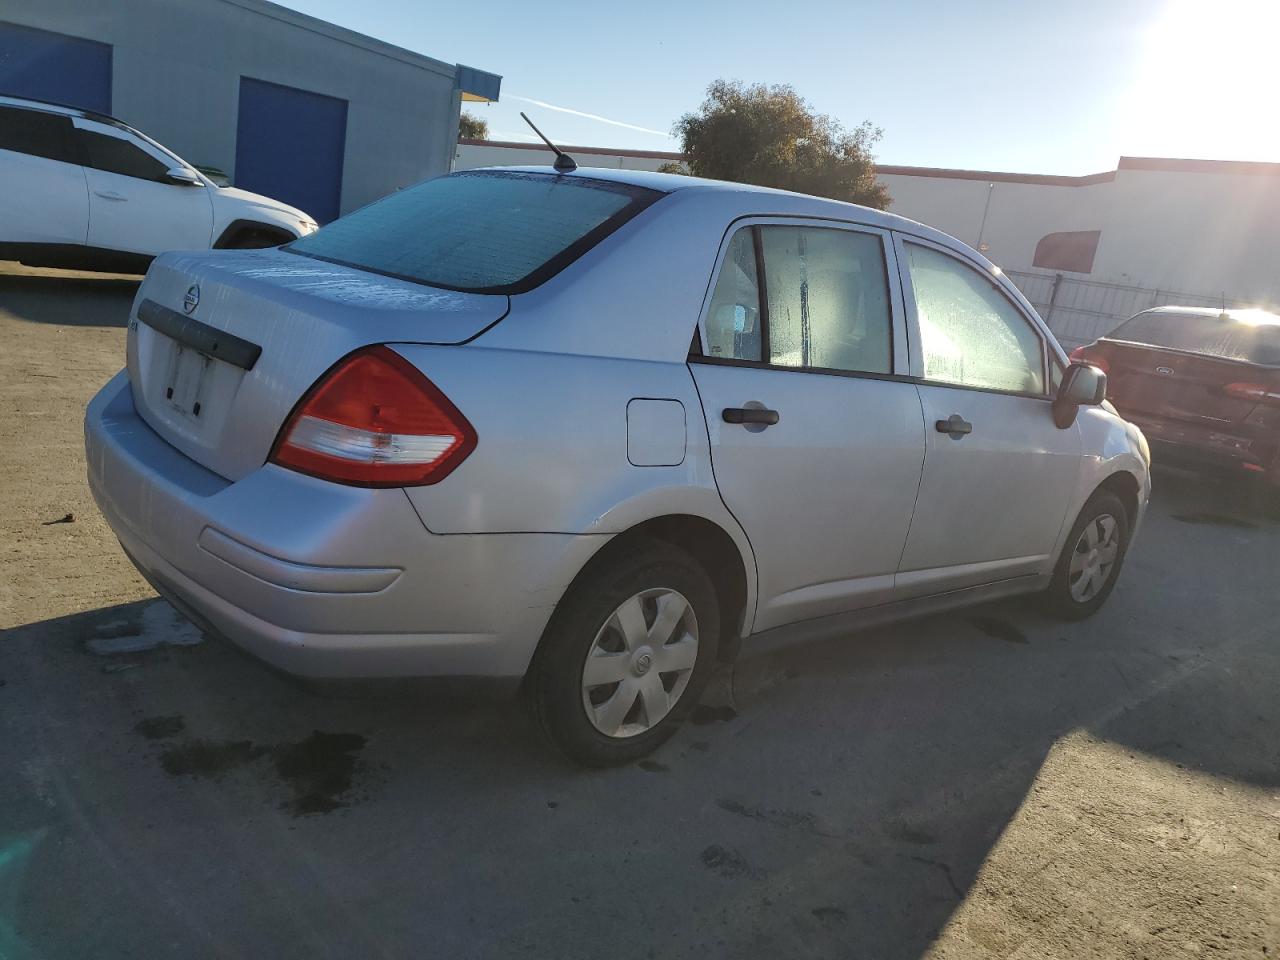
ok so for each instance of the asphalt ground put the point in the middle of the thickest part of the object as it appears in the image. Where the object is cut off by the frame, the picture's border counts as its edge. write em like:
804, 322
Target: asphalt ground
989, 783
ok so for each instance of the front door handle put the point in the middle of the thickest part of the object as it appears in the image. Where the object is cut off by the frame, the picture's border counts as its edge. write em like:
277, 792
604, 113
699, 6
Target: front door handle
109, 196
760, 415
955, 425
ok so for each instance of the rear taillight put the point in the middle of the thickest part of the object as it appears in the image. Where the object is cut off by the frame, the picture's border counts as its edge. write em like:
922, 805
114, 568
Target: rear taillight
375, 421
1085, 355
1256, 392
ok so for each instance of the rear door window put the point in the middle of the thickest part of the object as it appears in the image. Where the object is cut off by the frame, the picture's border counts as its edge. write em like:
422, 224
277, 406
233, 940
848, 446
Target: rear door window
37, 133
822, 304
733, 320
480, 232
828, 299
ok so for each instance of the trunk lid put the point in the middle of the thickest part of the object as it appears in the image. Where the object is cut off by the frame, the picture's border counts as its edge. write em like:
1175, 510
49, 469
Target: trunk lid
1177, 385
304, 314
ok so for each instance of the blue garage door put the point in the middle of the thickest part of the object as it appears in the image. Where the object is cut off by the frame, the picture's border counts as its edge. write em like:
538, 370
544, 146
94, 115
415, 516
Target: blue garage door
289, 145
53, 66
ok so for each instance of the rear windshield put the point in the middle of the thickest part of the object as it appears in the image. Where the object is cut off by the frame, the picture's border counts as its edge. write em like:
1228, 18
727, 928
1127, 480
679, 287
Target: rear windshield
481, 232
1213, 336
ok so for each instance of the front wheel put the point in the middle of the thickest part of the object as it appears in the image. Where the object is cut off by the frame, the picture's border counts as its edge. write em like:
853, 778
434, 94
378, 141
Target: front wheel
1091, 558
626, 655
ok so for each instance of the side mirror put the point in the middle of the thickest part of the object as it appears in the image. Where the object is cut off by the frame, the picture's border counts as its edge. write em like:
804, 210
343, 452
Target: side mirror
1083, 385
182, 176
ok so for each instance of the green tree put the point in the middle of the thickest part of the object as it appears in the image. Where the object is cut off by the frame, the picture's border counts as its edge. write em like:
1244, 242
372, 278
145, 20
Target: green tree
770, 136
471, 127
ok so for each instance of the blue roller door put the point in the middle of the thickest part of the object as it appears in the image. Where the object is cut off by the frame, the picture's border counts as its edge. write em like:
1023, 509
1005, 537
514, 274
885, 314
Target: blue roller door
53, 66
289, 145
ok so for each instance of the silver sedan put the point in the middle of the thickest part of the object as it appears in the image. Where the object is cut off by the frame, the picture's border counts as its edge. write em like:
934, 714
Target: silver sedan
594, 432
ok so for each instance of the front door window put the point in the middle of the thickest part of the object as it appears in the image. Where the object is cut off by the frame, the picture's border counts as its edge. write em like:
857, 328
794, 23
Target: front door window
971, 334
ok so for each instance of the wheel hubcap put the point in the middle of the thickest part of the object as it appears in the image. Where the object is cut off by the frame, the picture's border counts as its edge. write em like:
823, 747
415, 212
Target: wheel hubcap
640, 663
1094, 558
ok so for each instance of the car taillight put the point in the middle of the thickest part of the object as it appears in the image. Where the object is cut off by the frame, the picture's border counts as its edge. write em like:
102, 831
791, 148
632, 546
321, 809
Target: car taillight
1257, 392
1083, 355
375, 421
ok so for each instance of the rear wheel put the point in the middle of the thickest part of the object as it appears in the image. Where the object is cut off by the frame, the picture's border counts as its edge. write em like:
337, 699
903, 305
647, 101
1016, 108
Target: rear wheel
1091, 559
626, 655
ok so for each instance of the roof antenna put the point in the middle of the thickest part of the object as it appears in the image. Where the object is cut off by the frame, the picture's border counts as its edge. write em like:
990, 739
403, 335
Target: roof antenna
564, 163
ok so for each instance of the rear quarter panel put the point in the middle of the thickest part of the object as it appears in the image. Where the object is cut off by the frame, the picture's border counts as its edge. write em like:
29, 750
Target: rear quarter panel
551, 455
552, 449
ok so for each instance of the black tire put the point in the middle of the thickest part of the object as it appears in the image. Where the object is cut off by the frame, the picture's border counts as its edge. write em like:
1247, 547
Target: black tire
554, 686
1058, 597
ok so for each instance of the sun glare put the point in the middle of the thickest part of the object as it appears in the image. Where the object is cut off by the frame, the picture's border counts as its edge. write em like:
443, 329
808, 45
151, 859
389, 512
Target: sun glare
1206, 83
1255, 317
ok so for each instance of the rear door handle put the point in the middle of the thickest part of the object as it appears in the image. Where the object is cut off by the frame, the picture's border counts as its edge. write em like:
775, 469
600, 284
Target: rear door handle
955, 425
759, 415
109, 196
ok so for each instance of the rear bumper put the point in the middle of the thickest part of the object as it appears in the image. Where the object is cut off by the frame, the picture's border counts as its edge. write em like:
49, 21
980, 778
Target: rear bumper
1226, 449
318, 579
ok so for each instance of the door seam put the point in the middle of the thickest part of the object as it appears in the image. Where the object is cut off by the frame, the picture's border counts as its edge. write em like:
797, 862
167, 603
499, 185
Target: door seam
720, 493
915, 503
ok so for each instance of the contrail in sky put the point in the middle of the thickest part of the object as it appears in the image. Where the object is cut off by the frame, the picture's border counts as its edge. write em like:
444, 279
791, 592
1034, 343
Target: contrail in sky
589, 116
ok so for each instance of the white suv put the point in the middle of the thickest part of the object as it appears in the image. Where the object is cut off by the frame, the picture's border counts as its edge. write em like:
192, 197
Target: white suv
84, 190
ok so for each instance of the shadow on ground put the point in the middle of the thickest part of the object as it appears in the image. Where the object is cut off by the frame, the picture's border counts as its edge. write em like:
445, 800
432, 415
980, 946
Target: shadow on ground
67, 299
837, 799
1244, 502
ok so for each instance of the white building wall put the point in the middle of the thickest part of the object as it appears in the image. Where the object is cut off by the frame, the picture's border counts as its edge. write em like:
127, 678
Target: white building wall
1202, 232
1187, 230
1017, 216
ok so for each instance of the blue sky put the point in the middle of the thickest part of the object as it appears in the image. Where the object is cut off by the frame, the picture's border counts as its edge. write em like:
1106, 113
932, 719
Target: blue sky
1031, 86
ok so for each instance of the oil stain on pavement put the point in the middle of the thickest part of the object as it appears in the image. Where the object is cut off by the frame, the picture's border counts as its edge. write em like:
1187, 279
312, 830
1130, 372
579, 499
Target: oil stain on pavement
320, 770
728, 863
830, 915
159, 728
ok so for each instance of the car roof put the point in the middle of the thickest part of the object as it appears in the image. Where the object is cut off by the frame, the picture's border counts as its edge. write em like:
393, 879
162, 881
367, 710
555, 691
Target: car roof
1249, 315
756, 199
65, 109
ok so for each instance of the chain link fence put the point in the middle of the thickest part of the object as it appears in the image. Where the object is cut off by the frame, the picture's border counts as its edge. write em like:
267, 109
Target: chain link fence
1080, 311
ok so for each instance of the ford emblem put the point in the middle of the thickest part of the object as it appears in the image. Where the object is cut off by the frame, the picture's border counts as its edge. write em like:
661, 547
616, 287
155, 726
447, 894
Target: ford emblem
192, 299
1163, 371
